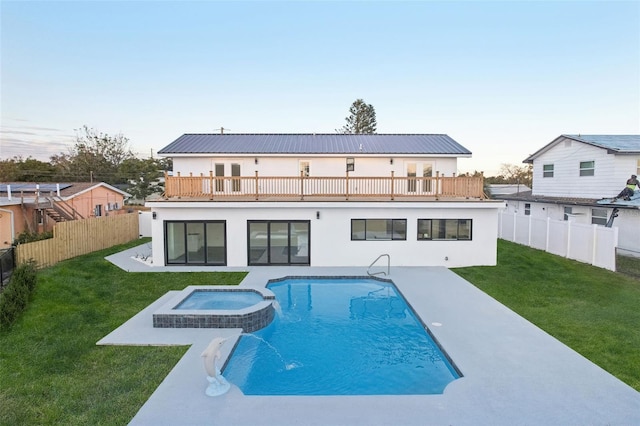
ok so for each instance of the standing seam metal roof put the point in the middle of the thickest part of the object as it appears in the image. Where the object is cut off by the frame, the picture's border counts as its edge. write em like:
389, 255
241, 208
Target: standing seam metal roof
315, 144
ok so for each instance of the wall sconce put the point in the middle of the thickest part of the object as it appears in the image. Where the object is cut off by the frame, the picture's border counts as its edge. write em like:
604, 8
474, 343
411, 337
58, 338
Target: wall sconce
255, 160
317, 215
391, 161
154, 215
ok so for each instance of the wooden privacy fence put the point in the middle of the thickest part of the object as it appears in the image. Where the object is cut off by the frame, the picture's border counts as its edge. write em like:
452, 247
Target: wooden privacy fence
77, 237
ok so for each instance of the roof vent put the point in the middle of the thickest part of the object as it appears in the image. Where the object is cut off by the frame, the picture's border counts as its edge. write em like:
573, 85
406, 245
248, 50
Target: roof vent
360, 147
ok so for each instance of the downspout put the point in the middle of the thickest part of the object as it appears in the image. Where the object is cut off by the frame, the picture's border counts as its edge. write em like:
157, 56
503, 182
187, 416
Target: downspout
13, 231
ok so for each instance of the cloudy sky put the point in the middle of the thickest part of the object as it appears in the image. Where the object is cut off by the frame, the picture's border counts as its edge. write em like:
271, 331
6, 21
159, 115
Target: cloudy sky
502, 78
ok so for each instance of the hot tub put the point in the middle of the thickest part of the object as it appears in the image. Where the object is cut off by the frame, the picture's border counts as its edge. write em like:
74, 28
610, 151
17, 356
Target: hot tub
217, 307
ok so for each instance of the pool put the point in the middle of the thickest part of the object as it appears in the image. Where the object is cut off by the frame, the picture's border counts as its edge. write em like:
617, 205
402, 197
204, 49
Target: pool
340, 336
217, 307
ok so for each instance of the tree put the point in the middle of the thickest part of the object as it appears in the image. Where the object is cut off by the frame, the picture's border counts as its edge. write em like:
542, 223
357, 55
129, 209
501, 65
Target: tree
512, 174
97, 155
144, 175
362, 118
18, 169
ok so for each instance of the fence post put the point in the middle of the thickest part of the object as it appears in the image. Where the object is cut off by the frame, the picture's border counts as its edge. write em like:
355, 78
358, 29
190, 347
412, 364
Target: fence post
546, 243
256, 185
568, 238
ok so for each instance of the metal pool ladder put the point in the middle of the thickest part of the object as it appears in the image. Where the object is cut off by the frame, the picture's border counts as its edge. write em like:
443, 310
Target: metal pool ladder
380, 272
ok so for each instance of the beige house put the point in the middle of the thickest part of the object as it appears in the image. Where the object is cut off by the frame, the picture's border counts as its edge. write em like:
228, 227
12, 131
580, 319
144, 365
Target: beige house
37, 207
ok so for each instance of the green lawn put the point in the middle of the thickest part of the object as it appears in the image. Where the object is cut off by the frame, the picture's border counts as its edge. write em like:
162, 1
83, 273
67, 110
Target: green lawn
594, 311
52, 372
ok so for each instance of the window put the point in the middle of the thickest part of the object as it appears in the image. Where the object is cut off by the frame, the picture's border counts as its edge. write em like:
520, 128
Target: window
378, 229
444, 229
97, 211
599, 216
568, 211
351, 164
587, 168
195, 242
527, 209
547, 170
638, 168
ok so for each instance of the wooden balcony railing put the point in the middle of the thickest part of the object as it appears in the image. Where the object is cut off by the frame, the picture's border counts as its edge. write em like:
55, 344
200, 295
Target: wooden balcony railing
301, 187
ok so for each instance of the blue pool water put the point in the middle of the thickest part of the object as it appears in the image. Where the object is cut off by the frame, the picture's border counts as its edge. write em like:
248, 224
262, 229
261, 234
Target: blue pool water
339, 337
224, 300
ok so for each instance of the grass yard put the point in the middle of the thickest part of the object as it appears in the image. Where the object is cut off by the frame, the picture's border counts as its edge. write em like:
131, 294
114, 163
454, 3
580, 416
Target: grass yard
594, 311
52, 372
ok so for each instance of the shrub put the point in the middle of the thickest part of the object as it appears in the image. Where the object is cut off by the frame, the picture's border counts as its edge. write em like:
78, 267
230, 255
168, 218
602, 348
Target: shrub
29, 237
15, 297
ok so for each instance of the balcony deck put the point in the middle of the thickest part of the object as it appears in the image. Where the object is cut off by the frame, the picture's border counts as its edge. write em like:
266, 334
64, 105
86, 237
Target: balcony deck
322, 188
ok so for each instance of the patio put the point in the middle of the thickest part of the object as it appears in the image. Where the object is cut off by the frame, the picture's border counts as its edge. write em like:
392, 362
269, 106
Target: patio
514, 373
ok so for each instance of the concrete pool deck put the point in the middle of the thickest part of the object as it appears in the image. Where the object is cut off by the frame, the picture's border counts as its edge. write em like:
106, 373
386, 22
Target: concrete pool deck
513, 372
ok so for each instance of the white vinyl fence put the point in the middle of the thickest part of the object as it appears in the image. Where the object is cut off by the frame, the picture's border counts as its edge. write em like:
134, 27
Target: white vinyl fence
145, 224
592, 244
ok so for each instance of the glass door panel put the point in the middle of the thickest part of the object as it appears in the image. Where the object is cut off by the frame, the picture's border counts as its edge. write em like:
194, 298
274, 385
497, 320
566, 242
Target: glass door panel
258, 243
411, 173
279, 242
215, 243
299, 243
195, 242
176, 250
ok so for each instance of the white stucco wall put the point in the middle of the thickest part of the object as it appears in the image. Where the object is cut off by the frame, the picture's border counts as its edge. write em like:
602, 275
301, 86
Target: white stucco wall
330, 235
319, 166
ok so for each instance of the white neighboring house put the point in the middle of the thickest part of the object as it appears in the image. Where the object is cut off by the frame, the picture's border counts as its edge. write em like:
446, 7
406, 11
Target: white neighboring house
576, 177
321, 200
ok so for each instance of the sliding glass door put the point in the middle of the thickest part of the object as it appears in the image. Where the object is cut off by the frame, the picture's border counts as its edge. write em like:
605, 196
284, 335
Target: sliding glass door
278, 242
195, 242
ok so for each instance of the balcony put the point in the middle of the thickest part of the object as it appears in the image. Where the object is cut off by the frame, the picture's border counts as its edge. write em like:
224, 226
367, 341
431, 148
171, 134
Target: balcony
322, 188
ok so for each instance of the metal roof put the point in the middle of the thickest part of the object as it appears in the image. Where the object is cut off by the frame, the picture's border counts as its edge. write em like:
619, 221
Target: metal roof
615, 144
315, 144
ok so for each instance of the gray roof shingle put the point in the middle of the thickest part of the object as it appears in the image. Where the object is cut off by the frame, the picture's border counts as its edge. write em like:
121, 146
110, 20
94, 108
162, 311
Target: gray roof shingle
315, 144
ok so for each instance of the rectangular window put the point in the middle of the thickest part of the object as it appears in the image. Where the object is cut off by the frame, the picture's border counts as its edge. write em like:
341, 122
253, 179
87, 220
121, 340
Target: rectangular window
568, 211
587, 168
547, 170
527, 209
195, 242
351, 164
599, 216
444, 229
638, 169
378, 229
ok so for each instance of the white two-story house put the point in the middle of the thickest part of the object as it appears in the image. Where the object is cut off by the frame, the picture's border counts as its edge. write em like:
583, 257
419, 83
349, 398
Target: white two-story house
321, 200
577, 177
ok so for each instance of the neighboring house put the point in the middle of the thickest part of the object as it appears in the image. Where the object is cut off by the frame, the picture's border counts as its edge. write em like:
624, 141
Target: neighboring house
498, 189
321, 200
576, 177
37, 207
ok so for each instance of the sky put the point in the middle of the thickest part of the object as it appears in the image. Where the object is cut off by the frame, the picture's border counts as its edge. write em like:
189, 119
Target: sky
501, 78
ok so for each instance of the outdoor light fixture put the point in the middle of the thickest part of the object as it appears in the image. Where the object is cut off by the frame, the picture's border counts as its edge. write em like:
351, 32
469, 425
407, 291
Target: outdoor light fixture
256, 161
317, 215
154, 215
391, 161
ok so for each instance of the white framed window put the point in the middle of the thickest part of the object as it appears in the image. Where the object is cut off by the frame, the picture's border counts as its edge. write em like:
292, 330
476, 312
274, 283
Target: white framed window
547, 170
527, 209
599, 216
587, 168
568, 211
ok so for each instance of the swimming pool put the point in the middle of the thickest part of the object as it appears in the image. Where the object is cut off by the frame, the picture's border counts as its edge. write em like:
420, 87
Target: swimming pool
339, 336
